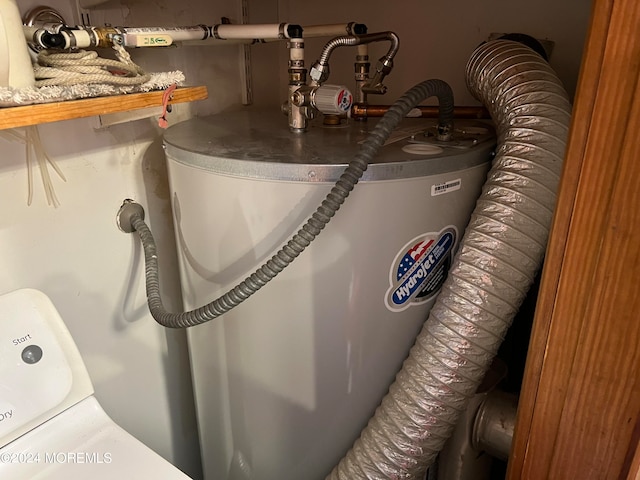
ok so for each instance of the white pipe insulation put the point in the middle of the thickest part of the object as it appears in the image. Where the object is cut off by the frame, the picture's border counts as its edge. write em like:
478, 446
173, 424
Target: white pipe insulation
500, 254
273, 31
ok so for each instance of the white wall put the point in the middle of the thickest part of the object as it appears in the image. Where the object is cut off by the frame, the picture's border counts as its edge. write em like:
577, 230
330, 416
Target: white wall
91, 270
437, 38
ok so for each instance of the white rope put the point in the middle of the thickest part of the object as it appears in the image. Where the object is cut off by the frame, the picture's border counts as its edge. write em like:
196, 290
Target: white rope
86, 67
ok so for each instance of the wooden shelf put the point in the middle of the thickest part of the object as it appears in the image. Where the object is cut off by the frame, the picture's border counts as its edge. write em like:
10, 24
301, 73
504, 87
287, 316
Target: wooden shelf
11, 117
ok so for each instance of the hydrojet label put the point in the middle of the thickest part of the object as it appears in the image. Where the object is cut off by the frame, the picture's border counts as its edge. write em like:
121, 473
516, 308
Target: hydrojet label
420, 268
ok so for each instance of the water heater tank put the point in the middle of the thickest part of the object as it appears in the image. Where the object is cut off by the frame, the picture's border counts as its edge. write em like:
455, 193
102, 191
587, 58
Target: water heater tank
285, 382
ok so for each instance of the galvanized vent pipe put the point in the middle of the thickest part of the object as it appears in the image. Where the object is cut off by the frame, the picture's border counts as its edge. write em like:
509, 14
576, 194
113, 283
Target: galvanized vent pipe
499, 256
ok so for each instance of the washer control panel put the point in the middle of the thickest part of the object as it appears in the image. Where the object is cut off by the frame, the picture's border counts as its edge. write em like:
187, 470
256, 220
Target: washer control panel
39, 364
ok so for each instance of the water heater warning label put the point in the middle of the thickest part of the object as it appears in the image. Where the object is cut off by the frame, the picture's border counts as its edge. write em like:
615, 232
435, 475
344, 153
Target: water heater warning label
420, 268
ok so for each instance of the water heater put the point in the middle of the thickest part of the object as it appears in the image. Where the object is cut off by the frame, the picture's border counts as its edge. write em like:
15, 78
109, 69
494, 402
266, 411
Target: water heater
285, 381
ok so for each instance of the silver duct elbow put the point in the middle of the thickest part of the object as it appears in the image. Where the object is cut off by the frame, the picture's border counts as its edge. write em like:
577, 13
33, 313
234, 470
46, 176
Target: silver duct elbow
500, 253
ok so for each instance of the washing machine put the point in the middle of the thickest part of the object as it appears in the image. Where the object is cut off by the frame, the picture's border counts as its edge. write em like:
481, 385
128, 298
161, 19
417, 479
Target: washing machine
51, 425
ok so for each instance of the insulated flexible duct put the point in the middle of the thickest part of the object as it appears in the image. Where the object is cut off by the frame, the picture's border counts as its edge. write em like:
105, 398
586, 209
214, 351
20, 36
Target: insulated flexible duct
501, 251
305, 235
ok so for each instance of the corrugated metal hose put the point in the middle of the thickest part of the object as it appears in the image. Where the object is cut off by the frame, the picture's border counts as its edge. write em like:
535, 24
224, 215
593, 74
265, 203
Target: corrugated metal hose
309, 231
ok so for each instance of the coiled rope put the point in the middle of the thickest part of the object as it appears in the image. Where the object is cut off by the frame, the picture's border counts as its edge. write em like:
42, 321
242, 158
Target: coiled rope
83, 67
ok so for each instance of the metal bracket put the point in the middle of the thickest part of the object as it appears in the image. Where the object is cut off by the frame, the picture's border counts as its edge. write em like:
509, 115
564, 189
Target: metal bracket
126, 212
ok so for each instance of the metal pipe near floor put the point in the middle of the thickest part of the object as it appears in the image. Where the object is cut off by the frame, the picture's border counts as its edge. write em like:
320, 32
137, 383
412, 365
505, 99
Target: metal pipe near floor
499, 256
483, 433
494, 424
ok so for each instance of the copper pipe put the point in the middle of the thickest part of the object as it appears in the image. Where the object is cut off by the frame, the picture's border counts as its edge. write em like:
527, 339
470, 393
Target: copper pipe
364, 111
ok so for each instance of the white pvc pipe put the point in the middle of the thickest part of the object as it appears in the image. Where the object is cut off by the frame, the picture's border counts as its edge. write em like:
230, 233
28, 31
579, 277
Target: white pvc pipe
330, 30
176, 34
279, 31
308, 31
257, 31
221, 34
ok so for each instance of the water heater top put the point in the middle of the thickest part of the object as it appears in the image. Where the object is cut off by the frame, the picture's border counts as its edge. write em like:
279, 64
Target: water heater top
258, 144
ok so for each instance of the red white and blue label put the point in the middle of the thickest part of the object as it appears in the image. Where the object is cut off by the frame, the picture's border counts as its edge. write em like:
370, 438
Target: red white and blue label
345, 99
420, 268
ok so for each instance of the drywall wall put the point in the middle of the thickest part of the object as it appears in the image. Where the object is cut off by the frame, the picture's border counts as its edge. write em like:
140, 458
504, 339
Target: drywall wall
437, 38
76, 255
90, 269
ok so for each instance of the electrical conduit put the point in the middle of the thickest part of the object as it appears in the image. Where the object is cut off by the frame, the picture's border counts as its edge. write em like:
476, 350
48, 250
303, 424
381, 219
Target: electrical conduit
131, 216
500, 253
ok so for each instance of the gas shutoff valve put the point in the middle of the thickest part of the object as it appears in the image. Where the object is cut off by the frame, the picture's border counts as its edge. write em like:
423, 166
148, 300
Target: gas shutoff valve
328, 99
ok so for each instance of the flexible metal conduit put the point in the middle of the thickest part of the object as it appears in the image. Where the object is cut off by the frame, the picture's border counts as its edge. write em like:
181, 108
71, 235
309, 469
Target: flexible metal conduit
500, 253
304, 236
360, 40
319, 72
